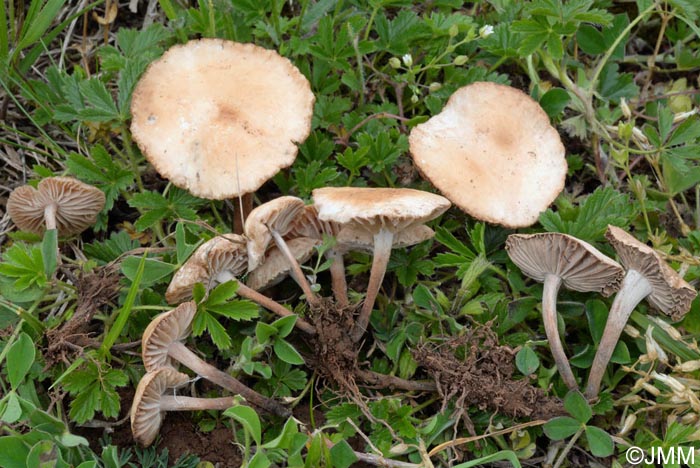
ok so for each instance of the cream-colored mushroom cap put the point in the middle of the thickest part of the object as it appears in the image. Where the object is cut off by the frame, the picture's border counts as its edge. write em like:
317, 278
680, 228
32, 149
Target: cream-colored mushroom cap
280, 215
219, 118
163, 330
71, 204
670, 294
580, 266
146, 413
276, 267
377, 208
216, 261
493, 152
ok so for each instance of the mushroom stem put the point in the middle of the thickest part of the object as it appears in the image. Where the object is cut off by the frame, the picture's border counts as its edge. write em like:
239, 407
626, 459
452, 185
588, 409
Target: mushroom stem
549, 317
50, 216
339, 284
185, 403
182, 354
383, 241
274, 306
297, 274
635, 287
242, 207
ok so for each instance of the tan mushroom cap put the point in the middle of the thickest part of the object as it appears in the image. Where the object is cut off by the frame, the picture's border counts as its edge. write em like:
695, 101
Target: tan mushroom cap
279, 215
581, 266
375, 208
352, 238
219, 118
670, 293
146, 414
276, 267
163, 330
75, 204
308, 225
493, 152
215, 261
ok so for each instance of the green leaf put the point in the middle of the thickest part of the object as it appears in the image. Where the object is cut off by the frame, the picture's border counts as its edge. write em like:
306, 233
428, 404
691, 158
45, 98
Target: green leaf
561, 427
264, 331
286, 352
153, 270
285, 437
85, 403
237, 310
20, 358
554, 102
259, 460
503, 455
49, 251
343, 455
248, 418
284, 325
597, 315
222, 293
10, 409
13, 452
577, 406
599, 441
205, 321
527, 361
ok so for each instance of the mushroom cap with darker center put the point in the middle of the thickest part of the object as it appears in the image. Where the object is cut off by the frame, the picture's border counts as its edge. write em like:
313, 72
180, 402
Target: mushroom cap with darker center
580, 266
670, 293
146, 413
493, 152
164, 330
222, 254
373, 209
220, 118
75, 203
280, 215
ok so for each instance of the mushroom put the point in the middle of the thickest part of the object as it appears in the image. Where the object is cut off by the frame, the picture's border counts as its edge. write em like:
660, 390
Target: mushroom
163, 342
276, 267
648, 276
61, 203
382, 213
493, 152
271, 221
220, 118
559, 259
153, 398
218, 260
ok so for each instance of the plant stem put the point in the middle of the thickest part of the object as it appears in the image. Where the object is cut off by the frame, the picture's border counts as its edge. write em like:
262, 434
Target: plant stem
568, 447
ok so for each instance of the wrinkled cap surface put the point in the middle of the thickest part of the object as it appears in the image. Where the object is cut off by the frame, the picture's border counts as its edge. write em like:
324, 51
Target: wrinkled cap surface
216, 261
279, 214
219, 118
77, 205
164, 330
671, 294
581, 266
275, 266
493, 152
352, 238
373, 209
146, 415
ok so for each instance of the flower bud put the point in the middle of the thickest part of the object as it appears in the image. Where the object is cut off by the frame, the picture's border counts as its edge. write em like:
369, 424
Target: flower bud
434, 86
394, 62
460, 60
485, 31
407, 60
454, 30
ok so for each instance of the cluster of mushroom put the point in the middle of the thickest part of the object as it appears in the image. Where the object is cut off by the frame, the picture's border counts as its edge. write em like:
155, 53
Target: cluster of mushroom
559, 259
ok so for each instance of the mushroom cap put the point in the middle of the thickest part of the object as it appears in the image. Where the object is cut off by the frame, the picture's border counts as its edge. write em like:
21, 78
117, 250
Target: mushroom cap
372, 209
226, 253
77, 205
165, 329
308, 225
581, 266
279, 215
276, 267
352, 238
220, 118
493, 152
670, 293
146, 416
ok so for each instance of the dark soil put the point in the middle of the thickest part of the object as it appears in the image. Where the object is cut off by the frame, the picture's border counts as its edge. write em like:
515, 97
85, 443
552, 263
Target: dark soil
474, 370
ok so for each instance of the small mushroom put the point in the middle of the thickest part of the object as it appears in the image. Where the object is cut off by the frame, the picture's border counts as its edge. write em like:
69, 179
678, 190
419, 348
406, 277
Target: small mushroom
218, 260
382, 213
648, 276
559, 259
163, 342
276, 267
493, 152
155, 394
61, 203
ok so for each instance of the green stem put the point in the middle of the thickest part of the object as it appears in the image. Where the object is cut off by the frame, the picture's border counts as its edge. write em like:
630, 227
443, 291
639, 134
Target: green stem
568, 447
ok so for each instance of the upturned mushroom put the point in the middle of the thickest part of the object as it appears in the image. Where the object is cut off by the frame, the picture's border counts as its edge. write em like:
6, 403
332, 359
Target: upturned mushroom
218, 260
60, 203
493, 152
155, 395
229, 118
559, 259
648, 277
383, 213
275, 266
163, 342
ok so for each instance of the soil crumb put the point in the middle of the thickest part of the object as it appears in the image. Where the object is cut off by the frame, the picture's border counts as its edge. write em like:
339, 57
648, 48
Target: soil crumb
474, 370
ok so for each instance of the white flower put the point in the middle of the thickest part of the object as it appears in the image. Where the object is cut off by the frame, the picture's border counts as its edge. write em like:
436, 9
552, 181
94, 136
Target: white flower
485, 31
407, 60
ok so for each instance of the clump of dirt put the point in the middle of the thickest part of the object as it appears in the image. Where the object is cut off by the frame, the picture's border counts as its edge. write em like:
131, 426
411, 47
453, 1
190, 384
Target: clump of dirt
475, 370
95, 290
